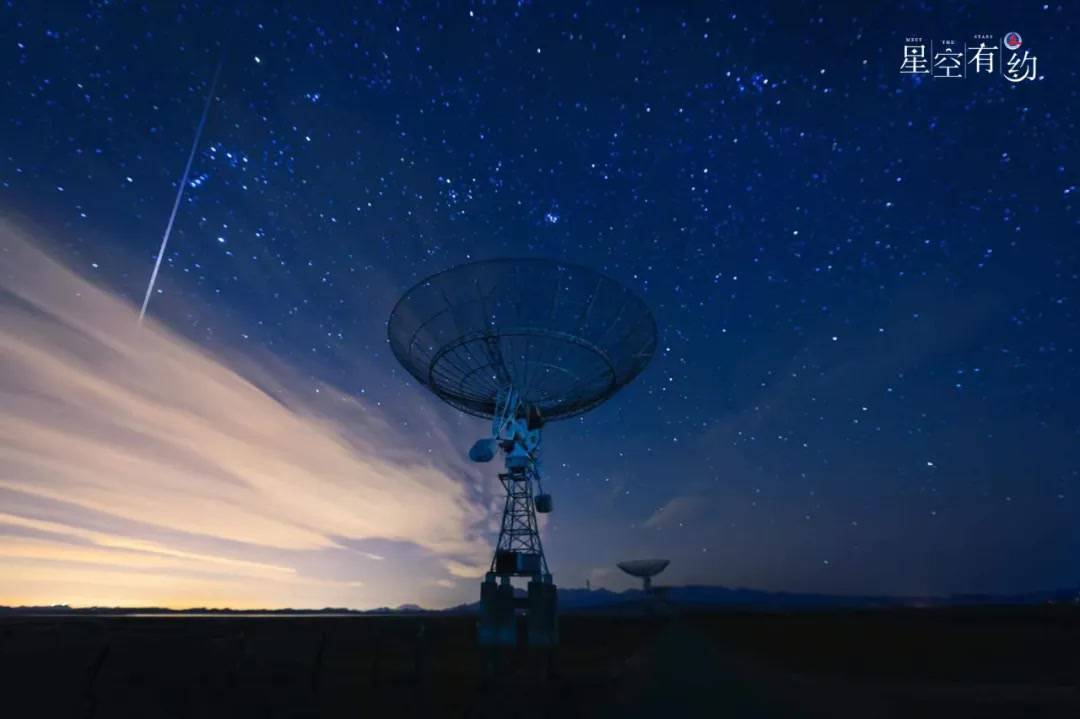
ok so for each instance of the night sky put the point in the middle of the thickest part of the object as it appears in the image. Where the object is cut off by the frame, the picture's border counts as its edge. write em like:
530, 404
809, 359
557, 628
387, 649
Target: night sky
865, 284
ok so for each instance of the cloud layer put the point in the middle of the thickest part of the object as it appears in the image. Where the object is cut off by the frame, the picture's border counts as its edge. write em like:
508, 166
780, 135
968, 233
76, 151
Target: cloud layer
135, 457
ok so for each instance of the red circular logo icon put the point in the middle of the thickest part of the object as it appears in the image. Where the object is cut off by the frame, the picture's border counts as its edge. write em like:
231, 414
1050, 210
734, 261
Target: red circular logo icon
1012, 40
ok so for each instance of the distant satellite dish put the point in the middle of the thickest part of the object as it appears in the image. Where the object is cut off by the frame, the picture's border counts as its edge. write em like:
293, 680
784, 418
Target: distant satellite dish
644, 568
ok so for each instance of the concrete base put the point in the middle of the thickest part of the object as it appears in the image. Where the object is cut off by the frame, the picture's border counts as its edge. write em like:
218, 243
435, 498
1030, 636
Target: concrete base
543, 616
497, 626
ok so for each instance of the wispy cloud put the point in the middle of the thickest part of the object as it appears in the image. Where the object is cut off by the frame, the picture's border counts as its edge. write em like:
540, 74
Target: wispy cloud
180, 447
467, 571
677, 511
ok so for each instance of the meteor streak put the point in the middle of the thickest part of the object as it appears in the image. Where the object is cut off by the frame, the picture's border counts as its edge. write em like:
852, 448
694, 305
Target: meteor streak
180, 189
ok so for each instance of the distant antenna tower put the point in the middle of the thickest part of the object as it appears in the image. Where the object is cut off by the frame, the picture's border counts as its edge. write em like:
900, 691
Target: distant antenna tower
521, 342
646, 569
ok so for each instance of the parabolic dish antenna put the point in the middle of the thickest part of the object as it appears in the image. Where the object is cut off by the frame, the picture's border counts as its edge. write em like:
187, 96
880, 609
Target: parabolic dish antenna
646, 569
522, 342
563, 336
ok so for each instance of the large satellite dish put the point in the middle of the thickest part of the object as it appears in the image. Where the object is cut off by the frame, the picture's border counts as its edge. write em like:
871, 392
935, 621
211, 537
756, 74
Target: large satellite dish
522, 342
563, 336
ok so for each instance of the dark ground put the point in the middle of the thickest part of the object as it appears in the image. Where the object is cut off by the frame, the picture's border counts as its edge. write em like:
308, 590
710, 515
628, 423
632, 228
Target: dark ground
986, 662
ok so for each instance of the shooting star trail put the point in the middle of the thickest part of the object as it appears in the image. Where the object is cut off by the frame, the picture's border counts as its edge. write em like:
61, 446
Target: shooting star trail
180, 189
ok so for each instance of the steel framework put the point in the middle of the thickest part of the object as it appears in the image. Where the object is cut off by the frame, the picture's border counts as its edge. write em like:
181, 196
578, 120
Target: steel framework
520, 532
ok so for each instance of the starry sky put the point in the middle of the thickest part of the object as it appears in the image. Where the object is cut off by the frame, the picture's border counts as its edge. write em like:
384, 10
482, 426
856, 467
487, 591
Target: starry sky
865, 284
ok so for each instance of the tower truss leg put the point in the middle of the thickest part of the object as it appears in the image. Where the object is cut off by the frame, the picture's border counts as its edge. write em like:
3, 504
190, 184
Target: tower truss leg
519, 552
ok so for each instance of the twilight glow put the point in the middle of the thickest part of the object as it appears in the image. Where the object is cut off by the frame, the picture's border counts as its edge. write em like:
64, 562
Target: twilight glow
138, 469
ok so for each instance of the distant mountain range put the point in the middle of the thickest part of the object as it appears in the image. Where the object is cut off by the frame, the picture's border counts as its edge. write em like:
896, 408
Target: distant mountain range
605, 601
711, 596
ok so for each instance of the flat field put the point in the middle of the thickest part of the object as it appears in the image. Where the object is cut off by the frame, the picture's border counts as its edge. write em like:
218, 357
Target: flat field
980, 662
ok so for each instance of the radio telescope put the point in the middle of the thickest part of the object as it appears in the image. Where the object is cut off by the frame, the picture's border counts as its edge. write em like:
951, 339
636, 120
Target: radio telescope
645, 569
521, 342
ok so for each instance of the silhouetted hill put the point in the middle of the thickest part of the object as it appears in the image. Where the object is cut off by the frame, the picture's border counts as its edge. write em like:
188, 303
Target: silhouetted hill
63, 609
604, 600
711, 597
